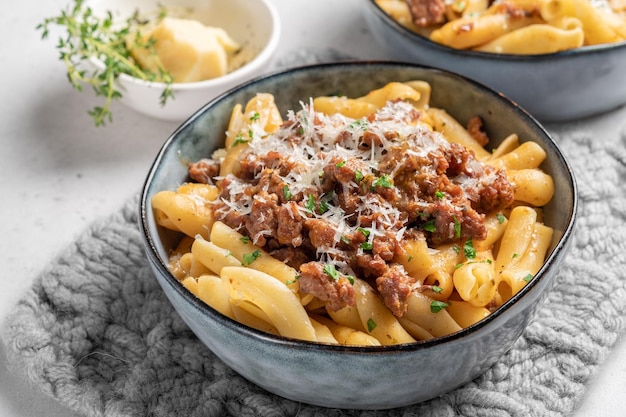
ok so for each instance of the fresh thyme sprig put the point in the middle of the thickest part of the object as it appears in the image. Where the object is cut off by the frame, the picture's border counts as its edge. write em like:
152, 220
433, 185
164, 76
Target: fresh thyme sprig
89, 37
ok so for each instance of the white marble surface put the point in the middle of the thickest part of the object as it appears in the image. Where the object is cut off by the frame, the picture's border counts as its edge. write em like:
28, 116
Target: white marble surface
58, 172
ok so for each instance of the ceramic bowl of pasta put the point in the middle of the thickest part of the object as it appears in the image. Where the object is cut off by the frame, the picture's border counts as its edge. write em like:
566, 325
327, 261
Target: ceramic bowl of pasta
358, 235
203, 47
559, 59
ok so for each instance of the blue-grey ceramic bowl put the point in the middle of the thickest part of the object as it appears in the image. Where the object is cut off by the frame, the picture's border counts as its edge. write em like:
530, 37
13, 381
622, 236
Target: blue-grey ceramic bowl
356, 377
554, 87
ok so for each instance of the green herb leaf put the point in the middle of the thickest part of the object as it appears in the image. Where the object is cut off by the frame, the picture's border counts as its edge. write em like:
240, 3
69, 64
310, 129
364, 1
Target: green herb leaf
468, 249
358, 176
340, 164
528, 277
286, 192
439, 195
384, 182
255, 117
310, 204
457, 227
500, 218
248, 258
363, 231
429, 226
245, 239
437, 289
89, 37
366, 246
361, 123
371, 325
329, 269
437, 306
239, 140
292, 281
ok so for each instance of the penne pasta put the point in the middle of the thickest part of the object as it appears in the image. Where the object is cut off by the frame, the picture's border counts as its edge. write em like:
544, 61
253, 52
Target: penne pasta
535, 39
274, 299
376, 237
521, 27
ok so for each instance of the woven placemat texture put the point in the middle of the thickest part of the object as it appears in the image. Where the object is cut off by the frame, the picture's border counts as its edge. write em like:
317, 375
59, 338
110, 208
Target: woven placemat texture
96, 333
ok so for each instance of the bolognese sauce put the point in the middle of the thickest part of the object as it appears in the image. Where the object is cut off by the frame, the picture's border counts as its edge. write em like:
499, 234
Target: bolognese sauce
336, 197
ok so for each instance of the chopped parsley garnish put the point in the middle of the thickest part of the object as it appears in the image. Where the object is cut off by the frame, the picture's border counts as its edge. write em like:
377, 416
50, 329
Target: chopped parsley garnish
515, 255
287, 192
245, 239
457, 227
340, 164
500, 218
363, 231
329, 269
345, 240
324, 206
437, 306
429, 226
410, 258
293, 281
437, 289
350, 279
456, 249
248, 258
384, 182
239, 140
255, 116
310, 204
439, 195
528, 277
358, 175
250, 133
371, 325
366, 246
468, 249
358, 123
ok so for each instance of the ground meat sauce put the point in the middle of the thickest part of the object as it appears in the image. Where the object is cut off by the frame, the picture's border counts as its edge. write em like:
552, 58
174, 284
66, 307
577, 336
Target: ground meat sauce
336, 198
427, 12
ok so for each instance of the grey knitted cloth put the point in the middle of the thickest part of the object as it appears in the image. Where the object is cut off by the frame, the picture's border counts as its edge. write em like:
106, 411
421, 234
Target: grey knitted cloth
96, 333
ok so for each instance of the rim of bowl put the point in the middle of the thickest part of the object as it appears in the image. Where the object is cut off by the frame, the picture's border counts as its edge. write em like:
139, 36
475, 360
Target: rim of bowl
153, 253
415, 37
263, 56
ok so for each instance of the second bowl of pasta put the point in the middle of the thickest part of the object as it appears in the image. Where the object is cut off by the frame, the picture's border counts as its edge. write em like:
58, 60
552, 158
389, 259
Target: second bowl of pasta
386, 224
560, 60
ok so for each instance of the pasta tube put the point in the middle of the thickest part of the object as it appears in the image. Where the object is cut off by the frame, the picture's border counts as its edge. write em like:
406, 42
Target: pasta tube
185, 210
470, 32
532, 186
535, 39
420, 312
455, 132
281, 306
377, 318
527, 155
253, 256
